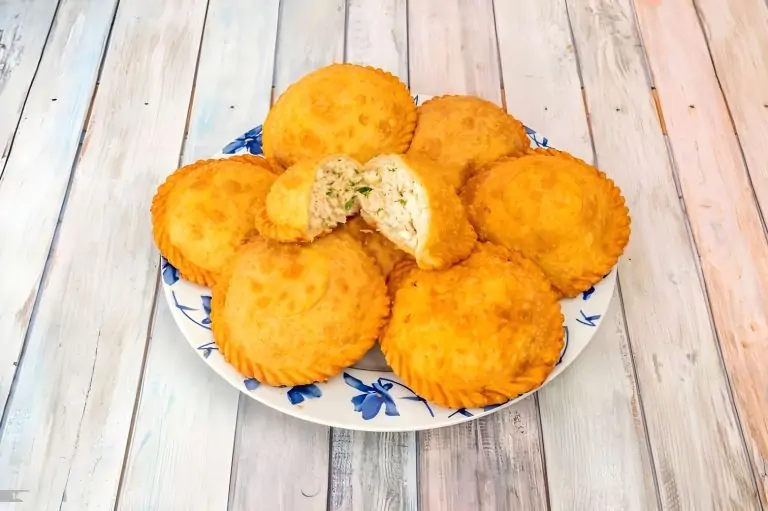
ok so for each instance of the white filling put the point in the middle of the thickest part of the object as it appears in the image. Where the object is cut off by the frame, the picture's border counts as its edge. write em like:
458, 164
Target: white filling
396, 202
334, 194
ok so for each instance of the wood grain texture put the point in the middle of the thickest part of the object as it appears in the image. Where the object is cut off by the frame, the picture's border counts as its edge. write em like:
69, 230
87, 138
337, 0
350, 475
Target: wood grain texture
68, 420
597, 398
282, 463
24, 27
452, 48
375, 470
724, 217
184, 432
697, 448
737, 33
377, 35
36, 176
495, 462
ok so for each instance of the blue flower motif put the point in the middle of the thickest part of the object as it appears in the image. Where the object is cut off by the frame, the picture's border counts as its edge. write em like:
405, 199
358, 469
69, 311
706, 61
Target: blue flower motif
170, 273
565, 344
185, 310
207, 348
372, 397
251, 383
587, 320
586, 295
297, 394
207, 308
544, 142
251, 140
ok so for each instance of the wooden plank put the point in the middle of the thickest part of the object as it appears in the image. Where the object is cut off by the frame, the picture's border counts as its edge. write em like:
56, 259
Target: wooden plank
543, 89
184, 432
281, 462
737, 33
452, 48
697, 449
724, 217
495, 462
35, 180
373, 470
68, 421
24, 28
377, 35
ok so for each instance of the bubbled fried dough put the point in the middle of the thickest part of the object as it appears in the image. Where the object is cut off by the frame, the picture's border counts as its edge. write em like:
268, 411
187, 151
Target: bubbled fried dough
557, 210
342, 108
204, 211
465, 133
477, 334
290, 314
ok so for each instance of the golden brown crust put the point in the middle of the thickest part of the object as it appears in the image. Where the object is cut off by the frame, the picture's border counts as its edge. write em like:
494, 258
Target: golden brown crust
450, 237
384, 252
477, 334
202, 213
559, 211
342, 108
465, 133
296, 314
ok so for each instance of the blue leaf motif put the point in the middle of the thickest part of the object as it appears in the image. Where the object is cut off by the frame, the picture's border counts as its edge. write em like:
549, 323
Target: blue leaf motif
371, 406
356, 384
298, 393
588, 320
462, 411
586, 295
170, 273
207, 348
251, 383
251, 140
206, 304
565, 344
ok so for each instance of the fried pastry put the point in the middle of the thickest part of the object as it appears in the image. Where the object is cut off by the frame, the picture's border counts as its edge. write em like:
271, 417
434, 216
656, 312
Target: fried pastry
465, 133
409, 203
380, 248
477, 334
311, 198
204, 211
557, 210
342, 108
289, 314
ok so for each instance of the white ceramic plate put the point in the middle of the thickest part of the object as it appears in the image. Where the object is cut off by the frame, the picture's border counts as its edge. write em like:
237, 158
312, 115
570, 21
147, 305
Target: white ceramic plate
362, 399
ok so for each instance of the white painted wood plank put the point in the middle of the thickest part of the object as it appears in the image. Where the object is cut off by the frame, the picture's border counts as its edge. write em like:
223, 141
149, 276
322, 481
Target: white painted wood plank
697, 449
281, 463
373, 470
68, 421
36, 176
495, 462
452, 48
24, 27
184, 432
598, 397
377, 35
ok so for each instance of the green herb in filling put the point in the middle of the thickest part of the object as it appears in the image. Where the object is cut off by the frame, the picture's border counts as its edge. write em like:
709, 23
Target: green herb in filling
348, 205
401, 201
364, 190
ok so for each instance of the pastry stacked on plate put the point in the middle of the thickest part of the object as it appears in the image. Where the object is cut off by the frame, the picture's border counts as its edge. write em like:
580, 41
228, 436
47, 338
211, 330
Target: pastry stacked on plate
437, 231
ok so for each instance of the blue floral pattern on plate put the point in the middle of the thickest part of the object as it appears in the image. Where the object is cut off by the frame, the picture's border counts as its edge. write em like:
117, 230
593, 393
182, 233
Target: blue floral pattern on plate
360, 399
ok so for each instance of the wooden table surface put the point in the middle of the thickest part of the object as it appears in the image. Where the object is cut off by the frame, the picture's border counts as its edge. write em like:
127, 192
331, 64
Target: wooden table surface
106, 407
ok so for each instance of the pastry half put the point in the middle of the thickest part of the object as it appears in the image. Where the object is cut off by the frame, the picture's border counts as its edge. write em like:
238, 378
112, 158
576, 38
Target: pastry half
557, 210
384, 252
342, 108
409, 203
479, 333
465, 133
289, 314
204, 211
311, 198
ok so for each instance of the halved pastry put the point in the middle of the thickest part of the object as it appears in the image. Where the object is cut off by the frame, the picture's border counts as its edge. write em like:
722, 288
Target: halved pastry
204, 211
290, 314
386, 253
408, 202
465, 133
342, 108
310, 199
557, 210
477, 334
